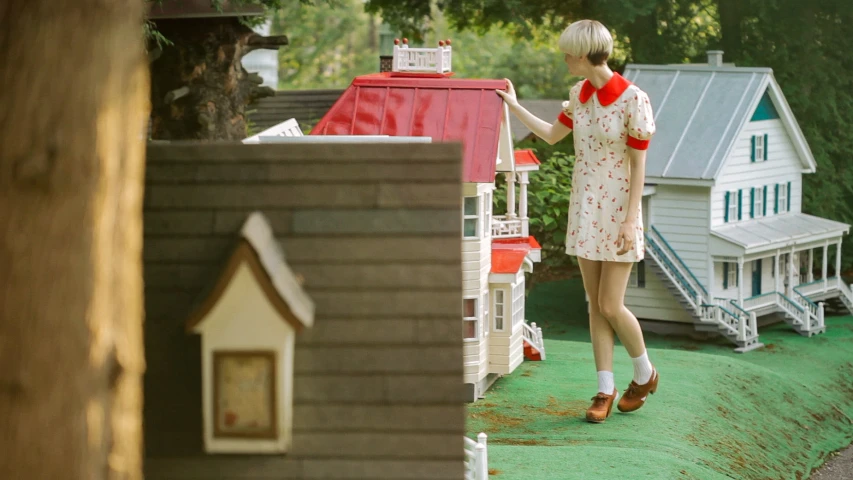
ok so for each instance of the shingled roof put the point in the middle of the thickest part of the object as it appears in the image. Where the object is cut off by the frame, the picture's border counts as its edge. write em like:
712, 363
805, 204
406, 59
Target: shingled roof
700, 111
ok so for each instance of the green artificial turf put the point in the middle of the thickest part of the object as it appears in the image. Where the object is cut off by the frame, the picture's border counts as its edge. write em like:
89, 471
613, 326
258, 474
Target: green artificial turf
768, 414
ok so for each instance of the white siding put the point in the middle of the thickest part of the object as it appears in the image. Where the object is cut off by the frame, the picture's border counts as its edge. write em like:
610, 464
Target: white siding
654, 302
507, 348
739, 172
476, 265
680, 214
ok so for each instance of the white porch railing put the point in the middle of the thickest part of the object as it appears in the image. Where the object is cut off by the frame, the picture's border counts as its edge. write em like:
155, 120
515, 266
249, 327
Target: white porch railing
504, 228
476, 458
806, 316
846, 295
533, 335
421, 59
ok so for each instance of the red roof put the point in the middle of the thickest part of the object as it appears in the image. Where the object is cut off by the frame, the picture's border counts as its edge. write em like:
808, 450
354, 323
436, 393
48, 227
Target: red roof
446, 109
526, 157
529, 241
508, 253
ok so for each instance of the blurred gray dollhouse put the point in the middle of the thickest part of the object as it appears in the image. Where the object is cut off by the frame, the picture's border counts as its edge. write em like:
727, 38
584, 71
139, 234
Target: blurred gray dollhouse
727, 242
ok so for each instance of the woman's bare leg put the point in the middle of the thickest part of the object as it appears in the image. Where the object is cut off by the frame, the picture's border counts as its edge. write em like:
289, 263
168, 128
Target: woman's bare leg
601, 333
611, 304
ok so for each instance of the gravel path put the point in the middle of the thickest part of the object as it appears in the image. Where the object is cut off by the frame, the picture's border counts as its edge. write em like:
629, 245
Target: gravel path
839, 466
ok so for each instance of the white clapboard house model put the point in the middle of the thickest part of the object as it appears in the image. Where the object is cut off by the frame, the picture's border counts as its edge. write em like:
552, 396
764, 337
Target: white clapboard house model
727, 240
418, 99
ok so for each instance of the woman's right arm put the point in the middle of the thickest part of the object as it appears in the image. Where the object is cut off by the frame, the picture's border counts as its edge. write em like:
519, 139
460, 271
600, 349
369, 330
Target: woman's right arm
551, 133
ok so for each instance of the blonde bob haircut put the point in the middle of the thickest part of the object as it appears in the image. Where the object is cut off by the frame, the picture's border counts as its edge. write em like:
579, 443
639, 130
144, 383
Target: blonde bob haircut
587, 38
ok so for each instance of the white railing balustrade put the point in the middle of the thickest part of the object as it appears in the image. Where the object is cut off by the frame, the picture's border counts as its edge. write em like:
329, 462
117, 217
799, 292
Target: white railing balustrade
437, 60
476, 458
503, 228
533, 335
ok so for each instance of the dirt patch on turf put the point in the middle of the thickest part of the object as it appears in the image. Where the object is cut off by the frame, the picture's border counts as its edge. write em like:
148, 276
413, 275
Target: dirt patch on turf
565, 409
497, 420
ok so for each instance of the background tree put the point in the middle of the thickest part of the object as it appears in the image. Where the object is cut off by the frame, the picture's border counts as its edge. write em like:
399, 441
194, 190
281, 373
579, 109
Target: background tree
74, 87
199, 88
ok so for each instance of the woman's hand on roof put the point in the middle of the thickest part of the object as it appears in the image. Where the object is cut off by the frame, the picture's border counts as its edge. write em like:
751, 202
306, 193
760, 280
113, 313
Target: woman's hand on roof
509, 95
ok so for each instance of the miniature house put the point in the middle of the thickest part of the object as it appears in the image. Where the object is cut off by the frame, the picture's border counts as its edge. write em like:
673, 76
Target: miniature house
727, 241
248, 325
419, 98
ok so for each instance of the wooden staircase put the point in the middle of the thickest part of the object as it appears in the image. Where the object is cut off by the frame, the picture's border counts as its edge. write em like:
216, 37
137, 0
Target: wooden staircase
709, 315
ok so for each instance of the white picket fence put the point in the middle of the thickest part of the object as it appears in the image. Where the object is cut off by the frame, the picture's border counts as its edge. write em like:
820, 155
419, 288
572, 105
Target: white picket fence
476, 458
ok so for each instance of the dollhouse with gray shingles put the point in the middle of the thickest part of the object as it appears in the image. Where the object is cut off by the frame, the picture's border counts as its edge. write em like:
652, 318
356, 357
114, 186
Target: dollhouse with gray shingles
417, 97
727, 240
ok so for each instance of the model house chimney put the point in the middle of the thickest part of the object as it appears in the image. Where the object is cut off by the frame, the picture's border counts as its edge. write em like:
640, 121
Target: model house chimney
386, 63
715, 58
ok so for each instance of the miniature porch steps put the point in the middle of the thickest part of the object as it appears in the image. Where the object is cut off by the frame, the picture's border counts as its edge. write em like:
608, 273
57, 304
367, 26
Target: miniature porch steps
729, 320
534, 342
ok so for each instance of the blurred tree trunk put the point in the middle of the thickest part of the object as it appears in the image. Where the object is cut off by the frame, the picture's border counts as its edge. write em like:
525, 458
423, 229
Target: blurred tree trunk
731, 16
204, 65
74, 96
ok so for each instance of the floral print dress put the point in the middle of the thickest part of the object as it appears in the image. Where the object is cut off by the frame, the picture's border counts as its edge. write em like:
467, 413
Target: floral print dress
606, 123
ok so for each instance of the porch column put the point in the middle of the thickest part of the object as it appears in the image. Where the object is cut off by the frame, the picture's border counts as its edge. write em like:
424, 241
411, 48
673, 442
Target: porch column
522, 204
510, 194
791, 273
810, 277
740, 281
777, 278
823, 267
838, 262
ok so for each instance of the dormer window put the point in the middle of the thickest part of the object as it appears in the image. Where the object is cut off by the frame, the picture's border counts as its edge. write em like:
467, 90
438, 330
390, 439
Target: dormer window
471, 218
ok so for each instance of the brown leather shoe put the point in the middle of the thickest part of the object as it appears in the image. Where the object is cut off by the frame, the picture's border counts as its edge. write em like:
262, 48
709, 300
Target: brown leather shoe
635, 396
602, 404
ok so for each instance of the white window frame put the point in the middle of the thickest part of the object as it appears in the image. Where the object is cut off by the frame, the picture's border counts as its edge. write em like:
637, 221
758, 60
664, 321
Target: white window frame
732, 280
517, 304
758, 202
782, 201
500, 301
758, 152
733, 206
466, 217
485, 322
474, 319
487, 214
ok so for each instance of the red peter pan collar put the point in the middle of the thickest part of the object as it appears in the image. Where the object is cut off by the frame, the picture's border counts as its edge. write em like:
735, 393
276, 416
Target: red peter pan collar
609, 93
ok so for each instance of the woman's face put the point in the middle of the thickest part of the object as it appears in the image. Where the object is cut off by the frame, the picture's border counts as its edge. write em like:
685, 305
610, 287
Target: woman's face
574, 63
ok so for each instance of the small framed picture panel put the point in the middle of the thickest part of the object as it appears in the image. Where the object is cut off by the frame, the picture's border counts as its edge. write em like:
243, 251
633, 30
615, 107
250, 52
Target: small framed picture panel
244, 394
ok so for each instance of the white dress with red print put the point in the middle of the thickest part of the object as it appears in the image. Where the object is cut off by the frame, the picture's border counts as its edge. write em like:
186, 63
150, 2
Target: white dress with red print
606, 123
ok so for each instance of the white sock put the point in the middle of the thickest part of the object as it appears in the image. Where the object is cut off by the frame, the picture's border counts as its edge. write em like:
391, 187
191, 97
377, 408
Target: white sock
605, 382
642, 369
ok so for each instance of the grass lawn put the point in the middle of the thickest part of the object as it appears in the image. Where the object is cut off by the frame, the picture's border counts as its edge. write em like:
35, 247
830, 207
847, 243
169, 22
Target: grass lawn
768, 414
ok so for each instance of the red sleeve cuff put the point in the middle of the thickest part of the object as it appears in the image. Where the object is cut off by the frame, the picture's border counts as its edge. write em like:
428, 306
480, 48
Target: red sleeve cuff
638, 144
565, 120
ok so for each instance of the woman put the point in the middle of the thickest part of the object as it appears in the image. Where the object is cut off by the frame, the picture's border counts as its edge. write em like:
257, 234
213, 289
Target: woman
613, 123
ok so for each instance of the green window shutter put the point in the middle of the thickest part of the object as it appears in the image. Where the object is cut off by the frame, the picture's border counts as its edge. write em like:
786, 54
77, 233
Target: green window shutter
789, 196
765, 146
752, 150
752, 202
740, 204
776, 200
726, 211
641, 274
764, 207
725, 275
